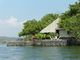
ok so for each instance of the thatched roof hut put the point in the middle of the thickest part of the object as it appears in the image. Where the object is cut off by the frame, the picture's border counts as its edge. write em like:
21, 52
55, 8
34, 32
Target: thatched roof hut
51, 28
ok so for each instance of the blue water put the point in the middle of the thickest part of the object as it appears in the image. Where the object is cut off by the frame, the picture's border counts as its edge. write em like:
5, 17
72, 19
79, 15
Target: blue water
39, 53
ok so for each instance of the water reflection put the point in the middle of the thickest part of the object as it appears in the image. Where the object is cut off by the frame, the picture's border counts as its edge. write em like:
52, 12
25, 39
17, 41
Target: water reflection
39, 53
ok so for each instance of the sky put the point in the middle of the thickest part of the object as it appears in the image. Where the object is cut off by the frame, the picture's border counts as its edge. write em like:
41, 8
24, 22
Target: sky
13, 13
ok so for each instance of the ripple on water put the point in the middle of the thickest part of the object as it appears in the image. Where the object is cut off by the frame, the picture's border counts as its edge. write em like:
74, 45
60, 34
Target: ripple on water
39, 53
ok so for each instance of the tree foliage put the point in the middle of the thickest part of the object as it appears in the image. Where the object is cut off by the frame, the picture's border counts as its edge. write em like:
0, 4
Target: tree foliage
71, 20
32, 27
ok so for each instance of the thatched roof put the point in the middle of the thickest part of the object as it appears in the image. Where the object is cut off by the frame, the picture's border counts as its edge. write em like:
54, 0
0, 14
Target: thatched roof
51, 28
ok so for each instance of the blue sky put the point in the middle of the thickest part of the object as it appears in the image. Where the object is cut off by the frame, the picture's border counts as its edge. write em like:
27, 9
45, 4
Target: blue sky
14, 12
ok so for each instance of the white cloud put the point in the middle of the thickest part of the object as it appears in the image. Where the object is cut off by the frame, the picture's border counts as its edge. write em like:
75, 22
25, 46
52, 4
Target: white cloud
10, 27
11, 21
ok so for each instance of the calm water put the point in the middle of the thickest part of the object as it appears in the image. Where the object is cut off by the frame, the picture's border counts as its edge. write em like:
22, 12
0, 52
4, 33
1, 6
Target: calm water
39, 53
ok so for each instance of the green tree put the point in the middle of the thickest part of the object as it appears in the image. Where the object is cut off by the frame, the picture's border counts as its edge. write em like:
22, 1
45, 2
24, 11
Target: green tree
33, 27
71, 20
30, 27
48, 18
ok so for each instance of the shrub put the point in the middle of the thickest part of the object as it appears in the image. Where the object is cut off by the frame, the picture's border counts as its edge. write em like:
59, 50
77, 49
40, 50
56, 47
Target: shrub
27, 38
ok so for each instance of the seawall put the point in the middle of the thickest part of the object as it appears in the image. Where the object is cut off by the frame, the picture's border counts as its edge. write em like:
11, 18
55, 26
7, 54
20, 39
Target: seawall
50, 43
38, 43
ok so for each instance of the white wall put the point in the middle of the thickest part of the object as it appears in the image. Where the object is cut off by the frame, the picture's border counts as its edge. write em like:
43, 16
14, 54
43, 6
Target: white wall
63, 33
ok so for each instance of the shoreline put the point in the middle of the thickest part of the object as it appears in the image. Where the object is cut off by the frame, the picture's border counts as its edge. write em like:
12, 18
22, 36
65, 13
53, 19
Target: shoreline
44, 43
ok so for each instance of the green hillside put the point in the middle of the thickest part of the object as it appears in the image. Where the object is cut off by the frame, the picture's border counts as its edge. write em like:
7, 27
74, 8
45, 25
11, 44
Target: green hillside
2, 38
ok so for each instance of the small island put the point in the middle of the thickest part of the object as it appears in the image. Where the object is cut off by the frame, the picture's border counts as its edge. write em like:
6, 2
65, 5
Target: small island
64, 28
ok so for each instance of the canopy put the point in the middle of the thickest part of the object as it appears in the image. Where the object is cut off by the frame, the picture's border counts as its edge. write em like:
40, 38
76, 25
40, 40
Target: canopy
51, 28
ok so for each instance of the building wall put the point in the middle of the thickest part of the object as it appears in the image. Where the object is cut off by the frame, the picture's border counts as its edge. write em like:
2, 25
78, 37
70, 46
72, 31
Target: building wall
63, 33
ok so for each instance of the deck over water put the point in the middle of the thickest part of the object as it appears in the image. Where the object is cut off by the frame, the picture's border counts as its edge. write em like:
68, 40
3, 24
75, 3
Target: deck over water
38, 43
